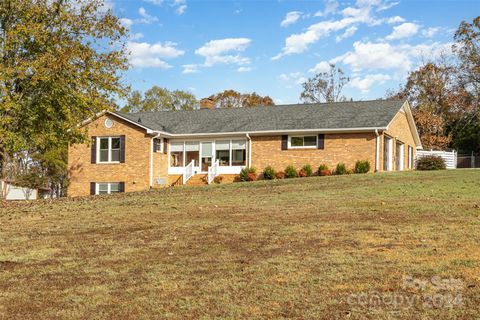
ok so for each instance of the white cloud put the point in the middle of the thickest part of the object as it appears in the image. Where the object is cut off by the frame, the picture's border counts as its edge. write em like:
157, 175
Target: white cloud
180, 5
136, 36
364, 84
347, 34
430, 32
404, 30
395, 19
283, 77
146, 55
320, 67
146, 18
244, 69
386, 5
190, 68
127, 23
220, 51
292, 77
361, 13
155, 2
330, 7
385, 56
290, 18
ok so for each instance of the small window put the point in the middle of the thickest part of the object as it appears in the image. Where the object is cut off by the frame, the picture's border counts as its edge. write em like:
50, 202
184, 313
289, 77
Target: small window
109, 149
303, 141
108, 187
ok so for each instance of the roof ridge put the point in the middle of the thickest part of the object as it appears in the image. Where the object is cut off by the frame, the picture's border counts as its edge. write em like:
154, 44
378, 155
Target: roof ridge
265, 106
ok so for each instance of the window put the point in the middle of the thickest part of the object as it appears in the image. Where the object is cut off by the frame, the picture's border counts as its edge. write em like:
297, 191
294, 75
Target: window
176, 154
303, 141
109, 149
109, 187
222, 152
158, 145
239, 153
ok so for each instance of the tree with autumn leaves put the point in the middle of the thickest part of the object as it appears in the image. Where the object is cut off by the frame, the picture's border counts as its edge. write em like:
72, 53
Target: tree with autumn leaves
445, 95
61, 62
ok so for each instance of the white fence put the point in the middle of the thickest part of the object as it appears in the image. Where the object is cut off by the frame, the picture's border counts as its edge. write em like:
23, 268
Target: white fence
450, 157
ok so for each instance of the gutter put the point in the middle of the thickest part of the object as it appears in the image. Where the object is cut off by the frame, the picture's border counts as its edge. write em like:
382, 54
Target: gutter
249, 163
377, 151
151, 159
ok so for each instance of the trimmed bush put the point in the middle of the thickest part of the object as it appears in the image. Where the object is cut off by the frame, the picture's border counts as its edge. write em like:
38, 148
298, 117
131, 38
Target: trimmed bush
290, 172
431, 163
362, 166
308, 170
280, 175
218, 179
323, 169
302, 173
245, 171
325, 172
268, 173
341, 169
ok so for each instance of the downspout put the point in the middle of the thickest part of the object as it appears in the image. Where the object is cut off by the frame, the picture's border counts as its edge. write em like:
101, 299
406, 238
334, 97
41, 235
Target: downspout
249, 162
377, 151
151, 159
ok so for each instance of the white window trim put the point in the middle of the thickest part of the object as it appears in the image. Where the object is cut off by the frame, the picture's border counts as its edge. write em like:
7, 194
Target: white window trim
109, 187
99, 161
302, 136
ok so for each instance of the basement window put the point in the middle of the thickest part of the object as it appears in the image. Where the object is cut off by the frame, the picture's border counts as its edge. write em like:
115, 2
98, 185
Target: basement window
108, 187
300, 142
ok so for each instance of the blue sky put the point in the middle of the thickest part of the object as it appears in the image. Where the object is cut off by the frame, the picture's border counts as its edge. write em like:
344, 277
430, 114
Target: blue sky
271, 47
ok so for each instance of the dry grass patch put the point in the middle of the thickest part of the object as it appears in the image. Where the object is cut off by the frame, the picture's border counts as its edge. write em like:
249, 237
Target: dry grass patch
270, 249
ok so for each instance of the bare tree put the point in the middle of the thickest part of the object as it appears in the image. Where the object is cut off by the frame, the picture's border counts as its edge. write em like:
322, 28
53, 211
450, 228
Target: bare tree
325, 86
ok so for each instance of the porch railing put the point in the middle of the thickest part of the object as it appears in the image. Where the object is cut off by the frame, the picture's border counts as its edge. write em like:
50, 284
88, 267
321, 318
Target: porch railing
188, 172
213, 171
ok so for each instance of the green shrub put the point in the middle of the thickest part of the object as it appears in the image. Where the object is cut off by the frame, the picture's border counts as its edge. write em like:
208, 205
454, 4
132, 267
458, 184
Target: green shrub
268, 173
341, 169
431, 163
308, 170
290, 172
245, 172
323, 170
362, 166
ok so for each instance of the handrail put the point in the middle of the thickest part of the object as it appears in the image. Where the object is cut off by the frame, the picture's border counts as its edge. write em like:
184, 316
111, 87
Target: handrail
188, 172
213, 171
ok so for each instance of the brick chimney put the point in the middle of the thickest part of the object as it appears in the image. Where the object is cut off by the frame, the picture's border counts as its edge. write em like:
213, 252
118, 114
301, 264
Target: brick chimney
207, 103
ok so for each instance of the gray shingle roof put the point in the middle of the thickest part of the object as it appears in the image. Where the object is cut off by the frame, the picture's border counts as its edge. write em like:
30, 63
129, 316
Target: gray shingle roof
339, 115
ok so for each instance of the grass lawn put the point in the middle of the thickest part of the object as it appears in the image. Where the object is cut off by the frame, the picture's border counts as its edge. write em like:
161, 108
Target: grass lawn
383, 246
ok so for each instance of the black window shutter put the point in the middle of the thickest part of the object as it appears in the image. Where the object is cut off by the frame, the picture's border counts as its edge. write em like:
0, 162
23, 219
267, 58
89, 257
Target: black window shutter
92, 188
94, 150
121, 187
122, 149
321, 141
284, 142
155, 145
165, 141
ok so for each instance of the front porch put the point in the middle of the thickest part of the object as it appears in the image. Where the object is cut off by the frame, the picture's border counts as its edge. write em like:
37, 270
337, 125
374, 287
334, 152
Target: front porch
226, 156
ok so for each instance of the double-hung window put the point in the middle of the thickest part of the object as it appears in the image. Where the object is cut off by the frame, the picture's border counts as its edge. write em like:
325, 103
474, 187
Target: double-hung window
302, 142
109, 149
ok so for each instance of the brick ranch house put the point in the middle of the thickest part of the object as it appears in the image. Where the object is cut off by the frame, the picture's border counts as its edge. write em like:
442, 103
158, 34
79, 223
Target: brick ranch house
140, 151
